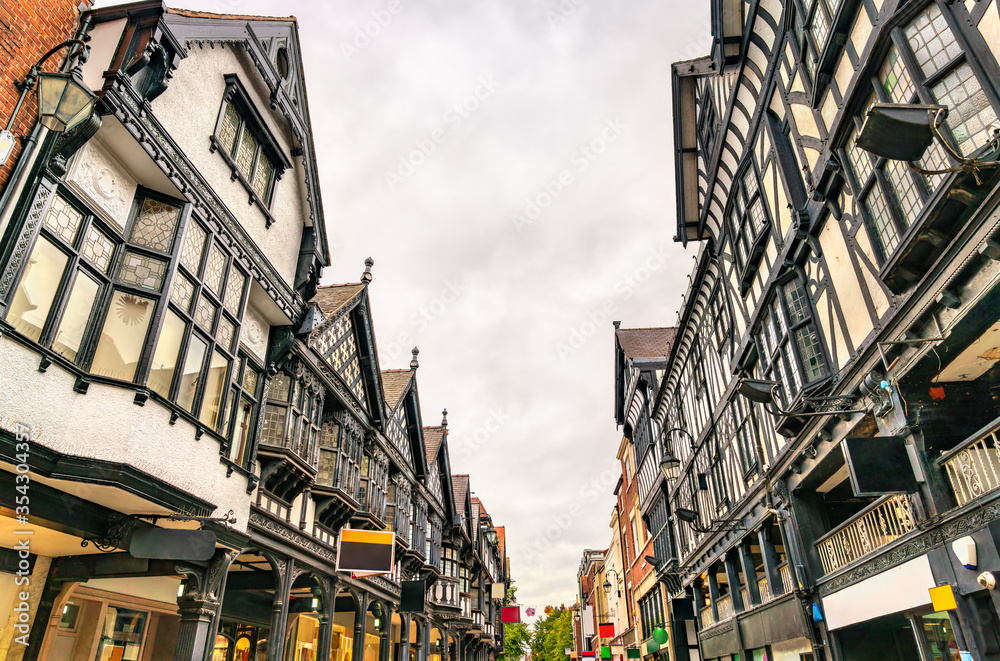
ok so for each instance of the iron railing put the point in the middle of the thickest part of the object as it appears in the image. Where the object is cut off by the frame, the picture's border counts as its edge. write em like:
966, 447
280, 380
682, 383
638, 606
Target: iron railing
885, 520
973, 467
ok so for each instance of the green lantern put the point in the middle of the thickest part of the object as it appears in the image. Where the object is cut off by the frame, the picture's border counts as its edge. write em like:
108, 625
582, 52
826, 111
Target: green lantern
660, 635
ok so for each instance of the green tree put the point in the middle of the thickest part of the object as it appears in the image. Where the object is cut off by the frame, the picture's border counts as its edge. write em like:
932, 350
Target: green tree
552, 634
516, 637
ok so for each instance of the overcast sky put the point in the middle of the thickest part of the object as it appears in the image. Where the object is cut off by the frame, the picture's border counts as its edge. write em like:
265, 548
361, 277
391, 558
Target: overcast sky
507, 164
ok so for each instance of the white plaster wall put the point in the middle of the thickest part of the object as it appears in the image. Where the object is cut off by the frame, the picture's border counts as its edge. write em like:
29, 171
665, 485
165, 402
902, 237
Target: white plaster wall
105, 424
189, 110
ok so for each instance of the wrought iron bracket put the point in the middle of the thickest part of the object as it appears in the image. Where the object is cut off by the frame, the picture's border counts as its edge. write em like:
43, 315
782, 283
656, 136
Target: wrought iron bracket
120, 528
227, 518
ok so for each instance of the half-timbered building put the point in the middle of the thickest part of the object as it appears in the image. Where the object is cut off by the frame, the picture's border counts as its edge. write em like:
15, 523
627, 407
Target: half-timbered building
171, 363
827, 419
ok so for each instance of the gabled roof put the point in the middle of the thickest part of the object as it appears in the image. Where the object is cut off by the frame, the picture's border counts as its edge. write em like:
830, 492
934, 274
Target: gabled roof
482, 508
433, 436
394, 385
332, 298
646, 342
460, 485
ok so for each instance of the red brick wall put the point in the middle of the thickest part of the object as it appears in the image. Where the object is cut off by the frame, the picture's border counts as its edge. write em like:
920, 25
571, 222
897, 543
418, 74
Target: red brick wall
29, 28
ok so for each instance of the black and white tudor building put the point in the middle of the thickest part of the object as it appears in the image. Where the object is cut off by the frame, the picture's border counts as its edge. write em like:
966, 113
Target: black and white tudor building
168, 353
819, 525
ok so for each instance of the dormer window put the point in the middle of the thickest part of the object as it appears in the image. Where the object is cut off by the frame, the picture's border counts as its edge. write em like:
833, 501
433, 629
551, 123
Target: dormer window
244, 141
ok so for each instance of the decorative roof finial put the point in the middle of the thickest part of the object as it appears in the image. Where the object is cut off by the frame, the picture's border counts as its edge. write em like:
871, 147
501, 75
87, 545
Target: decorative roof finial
617, 324
444, 418
414, 363
366, 277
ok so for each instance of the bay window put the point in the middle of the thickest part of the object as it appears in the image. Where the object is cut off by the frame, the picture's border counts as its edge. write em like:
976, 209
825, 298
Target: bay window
926, 65
293, 417
788, 342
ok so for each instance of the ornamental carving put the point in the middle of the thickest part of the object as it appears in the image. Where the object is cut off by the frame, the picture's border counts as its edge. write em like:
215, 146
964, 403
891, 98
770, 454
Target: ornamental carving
267, 524
255, 332
104, 182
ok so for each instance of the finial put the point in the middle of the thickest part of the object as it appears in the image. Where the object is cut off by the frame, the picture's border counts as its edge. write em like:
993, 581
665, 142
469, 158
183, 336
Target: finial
444, 418
617, 324
366, 277
414, 363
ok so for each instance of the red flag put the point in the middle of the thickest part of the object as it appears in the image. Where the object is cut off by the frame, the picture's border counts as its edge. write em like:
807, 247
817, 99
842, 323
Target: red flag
606, 629
510, 614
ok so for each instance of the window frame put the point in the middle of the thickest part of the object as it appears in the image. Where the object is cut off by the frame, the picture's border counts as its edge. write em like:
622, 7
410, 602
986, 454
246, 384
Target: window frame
769, 362
747, 242
267, 146
923, 93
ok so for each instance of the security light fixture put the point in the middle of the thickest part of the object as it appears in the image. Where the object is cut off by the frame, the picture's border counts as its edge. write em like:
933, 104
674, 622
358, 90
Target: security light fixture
64, 101
690, 517
762, 391
653, 560
686, 515
904, 131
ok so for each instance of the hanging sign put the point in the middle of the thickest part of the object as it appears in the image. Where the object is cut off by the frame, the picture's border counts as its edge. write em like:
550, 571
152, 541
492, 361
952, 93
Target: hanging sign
366, 551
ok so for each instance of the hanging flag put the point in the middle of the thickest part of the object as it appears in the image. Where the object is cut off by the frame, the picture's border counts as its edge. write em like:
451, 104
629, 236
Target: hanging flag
605, 652
498, 591
589, 655
606, 629
634, 653
510, 614
652, 646
618, 650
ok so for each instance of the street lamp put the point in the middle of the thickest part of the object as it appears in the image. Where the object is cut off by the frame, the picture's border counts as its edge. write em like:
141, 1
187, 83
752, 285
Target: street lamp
670, 464
64, 101
607, 583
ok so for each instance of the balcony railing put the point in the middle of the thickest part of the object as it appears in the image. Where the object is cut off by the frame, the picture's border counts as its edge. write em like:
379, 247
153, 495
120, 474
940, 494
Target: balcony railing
785, 571
974, 466
445, 593
707, 619
725, 607
885, 520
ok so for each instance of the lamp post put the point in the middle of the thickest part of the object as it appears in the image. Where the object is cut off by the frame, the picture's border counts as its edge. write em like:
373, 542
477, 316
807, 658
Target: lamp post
64, 101
670, 464
607, 583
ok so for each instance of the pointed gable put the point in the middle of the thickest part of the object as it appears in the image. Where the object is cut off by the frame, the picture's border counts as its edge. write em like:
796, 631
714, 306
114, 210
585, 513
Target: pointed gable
638, 349
460, 487
395, 384
345, 340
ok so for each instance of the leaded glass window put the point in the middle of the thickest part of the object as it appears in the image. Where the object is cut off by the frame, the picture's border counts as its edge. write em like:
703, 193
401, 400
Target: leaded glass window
747, 218
788, 342
934, 69
236, 136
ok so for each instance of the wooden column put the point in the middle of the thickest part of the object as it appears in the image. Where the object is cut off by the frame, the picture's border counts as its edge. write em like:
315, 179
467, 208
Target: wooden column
279, 612
770, 562
385, 637
749, 574
329, 587
713, 593
733, 577
360, 623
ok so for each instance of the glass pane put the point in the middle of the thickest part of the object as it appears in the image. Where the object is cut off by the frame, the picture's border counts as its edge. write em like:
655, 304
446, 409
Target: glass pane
885, 226
98, 248
807, 340
934, 159
861, 160
142, 271
895, 79
940, 636
250, 380
75, 316
970, 115
798, 305
204, 312
750, 180
62, 219
182, 291
234, 290
225, 333
216, 269
757, 218
33, 298
124, 333
262, 177
155, 224
194, 246
820, 26
279, 387
168, 347
227, 132
215, 387
192, 370
274, 425
244, 156
121, 634
932, 40
906, 190
241, 431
